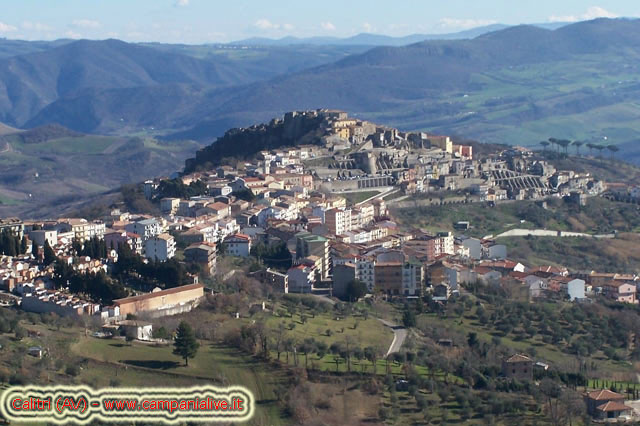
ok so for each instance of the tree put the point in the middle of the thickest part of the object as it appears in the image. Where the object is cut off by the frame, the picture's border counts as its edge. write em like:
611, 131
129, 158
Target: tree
599, 148
355, 290
34, 249
408, 317
564, 143
613, 149
545, 144
185, 343
49, 254
130, 335
577, 144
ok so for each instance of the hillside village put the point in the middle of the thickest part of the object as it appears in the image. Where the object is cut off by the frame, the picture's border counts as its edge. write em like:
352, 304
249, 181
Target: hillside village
284, 197
287, 213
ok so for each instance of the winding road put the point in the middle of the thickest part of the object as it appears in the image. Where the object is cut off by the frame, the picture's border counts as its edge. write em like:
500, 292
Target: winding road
399, 332
399, 336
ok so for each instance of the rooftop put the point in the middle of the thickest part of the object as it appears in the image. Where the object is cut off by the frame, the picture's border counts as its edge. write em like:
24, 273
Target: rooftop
157, 294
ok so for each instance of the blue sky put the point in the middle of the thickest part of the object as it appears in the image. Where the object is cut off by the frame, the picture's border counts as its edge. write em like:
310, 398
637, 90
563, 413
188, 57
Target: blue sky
204, 21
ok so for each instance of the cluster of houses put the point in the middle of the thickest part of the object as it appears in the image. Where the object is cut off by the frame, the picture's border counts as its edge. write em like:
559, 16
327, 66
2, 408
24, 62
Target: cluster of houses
603, 405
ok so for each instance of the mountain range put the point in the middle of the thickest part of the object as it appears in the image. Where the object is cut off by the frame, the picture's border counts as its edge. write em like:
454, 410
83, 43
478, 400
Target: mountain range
497, 86
516, 85
368, 39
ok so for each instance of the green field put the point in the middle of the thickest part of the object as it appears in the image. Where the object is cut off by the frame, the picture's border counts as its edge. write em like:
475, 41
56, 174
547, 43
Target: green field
599, 216
158, 366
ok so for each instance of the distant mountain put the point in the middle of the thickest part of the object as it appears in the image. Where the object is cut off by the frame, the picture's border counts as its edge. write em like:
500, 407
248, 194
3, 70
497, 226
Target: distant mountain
10, 48
513, 85
40, 134
366, 39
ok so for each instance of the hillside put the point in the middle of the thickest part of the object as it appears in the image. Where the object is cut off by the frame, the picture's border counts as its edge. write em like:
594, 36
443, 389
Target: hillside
53, 169
6, 130
521, 84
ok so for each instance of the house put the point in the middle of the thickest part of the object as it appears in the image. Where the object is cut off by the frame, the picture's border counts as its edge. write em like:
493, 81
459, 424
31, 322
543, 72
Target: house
441, 292
140, 330
301, 279
621, 291
202, 254
343, 274
308, 244
82, 229
169, 205
277, 280
575, 289
238, 245
146, 228
605, 404
518, 366
537, 285
40, 236
160, 248
486, 275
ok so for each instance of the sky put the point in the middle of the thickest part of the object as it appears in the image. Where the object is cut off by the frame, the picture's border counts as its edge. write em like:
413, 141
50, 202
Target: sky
217, 21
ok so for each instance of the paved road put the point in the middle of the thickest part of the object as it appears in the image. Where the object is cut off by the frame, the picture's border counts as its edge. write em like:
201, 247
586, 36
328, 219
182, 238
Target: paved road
399, 336
548, 233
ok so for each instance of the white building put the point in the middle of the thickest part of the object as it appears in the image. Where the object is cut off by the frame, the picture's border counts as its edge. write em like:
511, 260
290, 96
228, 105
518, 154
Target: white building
146, 228
40, 236
366, 272
160, 248
238, 245
575, 289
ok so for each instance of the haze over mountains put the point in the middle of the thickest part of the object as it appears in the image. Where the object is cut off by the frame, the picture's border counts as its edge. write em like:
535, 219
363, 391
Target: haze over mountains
518, 85
500, 85
368, 39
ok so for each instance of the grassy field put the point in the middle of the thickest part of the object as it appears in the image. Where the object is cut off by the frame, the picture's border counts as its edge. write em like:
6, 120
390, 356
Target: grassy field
357, 330
599, 216
621, 254
157, 365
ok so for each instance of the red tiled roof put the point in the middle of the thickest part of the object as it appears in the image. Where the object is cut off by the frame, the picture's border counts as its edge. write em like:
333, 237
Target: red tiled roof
518, 358
605, 395
613, 406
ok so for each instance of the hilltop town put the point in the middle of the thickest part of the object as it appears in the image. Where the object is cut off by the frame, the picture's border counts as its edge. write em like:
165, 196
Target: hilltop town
309, 210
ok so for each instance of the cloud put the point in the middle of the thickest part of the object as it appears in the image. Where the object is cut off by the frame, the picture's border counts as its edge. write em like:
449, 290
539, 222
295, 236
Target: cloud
35, 26
464, 24
6, 28
593, 12
328, 26
182, 3
86, 23
368, 28
267, 25
72, 34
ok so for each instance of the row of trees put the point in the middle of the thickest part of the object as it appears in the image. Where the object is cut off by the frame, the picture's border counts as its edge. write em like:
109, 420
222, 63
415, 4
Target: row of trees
565, 143
97, 286
275, 256
170, 274
175, 188
11, 244
95, 248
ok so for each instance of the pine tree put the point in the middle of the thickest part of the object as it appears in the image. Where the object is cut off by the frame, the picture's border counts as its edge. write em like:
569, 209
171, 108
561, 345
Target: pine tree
185, 343
35, 249
23, 245
49, 254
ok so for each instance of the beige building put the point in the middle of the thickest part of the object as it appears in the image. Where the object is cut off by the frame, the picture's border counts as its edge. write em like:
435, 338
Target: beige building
173, 300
